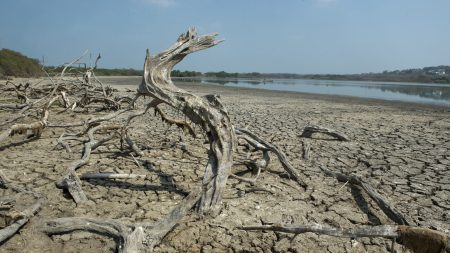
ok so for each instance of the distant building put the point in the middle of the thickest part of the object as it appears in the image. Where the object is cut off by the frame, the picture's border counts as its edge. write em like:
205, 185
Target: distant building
439, 72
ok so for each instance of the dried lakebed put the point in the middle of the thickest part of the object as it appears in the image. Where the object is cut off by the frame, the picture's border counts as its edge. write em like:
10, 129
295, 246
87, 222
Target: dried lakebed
401, 149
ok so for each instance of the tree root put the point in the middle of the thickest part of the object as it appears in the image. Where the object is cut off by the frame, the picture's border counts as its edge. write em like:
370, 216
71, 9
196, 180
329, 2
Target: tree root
138, 237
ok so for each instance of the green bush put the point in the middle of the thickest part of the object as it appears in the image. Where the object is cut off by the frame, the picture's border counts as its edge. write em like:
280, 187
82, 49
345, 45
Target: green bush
13, 63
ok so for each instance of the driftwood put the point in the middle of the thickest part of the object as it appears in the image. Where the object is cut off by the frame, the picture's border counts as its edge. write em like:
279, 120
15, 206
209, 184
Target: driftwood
308, 131
35, 99
71, 181
20, 219
35, 127
261, 144
363, 231
418, 240
381, 201
207, 113
139, 237
306, 150
25, 216
107, 175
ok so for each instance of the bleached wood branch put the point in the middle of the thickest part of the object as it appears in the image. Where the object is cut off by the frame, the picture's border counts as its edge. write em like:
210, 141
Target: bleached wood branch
208, 113
308, 131
381, 201
261, 144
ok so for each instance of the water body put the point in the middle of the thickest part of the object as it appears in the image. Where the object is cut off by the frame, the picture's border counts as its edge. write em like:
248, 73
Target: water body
438, 94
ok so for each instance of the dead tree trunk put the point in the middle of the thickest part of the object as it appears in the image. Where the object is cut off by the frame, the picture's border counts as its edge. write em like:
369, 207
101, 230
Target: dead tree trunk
206, 112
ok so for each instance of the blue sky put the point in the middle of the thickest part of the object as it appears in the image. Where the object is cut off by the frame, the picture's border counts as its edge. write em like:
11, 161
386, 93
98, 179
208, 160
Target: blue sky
295, 36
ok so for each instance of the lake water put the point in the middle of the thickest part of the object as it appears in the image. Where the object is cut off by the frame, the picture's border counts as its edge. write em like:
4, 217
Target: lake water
408, 92
436, 94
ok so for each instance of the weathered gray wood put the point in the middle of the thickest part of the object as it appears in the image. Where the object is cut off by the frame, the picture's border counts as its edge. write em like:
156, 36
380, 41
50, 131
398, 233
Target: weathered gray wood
309, 130
25, 215
130, 238
381, 201
12, 229
306, 150
71, 181
71, 63
13, 106
259, 143
36, 127
65, 99
418, 240
108, 175
133, 146
206, 112
388, 231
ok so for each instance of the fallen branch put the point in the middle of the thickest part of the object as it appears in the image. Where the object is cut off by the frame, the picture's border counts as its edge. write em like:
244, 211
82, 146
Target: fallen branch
72, 62
133, 146
261, 144
107, 175
306, 150
138, 237
387, 231
35, 127
25, 215
71, 181
65, 99
418, 240
308, 131
382, 202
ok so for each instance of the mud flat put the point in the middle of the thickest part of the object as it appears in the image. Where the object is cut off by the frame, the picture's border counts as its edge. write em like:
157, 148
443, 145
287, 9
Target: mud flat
402, 149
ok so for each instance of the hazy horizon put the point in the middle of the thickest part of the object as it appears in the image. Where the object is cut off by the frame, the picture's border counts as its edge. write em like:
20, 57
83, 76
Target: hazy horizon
293, 36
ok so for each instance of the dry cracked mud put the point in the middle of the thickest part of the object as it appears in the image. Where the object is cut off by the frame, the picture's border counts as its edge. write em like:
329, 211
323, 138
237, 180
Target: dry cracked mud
401, 149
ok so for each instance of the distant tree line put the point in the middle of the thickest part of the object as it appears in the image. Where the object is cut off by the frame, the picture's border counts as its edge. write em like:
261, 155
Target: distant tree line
178, 73
438, 74
15, 64
80, 69
221, 74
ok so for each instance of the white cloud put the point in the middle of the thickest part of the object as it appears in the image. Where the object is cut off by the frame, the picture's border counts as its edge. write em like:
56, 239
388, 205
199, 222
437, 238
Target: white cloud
161, 3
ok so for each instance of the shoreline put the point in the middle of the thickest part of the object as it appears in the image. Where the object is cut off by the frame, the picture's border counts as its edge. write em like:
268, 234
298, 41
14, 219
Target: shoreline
324, 97
229, 90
